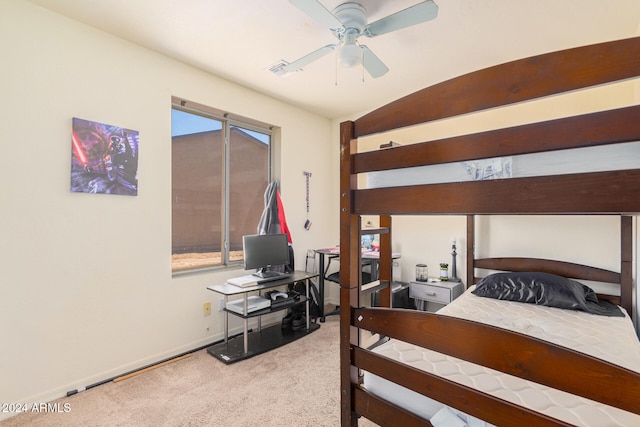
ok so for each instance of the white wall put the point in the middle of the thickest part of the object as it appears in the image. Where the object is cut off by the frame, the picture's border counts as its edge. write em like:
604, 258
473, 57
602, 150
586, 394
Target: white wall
86, 291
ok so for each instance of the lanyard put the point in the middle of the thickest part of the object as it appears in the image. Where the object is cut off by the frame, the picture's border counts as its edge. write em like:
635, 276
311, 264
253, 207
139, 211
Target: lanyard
307, 224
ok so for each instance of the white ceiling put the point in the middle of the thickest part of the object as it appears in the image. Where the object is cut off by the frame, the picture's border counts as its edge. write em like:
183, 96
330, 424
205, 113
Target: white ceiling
240, 39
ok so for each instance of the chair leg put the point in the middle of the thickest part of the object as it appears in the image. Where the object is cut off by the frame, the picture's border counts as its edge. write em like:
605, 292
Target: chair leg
333, 312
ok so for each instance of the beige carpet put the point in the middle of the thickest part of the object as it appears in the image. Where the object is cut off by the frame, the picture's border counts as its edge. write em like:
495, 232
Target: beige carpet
294, 385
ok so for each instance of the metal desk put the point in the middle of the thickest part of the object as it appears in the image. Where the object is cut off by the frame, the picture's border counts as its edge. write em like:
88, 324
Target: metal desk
372, 258
264, 339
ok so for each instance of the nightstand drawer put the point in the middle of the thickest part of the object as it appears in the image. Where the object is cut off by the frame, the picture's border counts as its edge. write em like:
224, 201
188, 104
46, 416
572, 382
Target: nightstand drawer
440, 292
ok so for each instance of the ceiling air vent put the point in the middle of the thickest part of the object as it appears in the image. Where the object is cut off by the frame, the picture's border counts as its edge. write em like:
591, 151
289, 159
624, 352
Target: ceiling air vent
278, 69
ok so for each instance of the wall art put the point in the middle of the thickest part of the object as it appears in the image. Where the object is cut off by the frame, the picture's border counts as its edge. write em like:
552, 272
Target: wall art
104, 158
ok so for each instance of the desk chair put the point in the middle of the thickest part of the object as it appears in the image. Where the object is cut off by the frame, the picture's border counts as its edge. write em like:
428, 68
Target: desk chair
335, 277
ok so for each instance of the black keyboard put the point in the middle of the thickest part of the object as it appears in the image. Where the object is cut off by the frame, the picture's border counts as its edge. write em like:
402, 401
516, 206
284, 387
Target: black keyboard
269, 276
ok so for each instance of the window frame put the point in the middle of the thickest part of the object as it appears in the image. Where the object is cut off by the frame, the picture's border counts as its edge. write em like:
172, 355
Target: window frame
227, 121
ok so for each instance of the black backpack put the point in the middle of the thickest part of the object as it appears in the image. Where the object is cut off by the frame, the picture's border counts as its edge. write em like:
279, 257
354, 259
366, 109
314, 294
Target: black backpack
314, 298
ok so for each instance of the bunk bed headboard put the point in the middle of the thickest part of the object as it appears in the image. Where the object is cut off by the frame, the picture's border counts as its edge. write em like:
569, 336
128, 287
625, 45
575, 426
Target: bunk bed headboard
599, 193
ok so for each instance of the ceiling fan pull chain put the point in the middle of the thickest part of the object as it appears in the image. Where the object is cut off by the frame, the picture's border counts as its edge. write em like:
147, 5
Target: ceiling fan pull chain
362, 63
336, 67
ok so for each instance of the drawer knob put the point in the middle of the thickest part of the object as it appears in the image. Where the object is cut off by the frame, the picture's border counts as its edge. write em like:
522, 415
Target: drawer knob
431, 294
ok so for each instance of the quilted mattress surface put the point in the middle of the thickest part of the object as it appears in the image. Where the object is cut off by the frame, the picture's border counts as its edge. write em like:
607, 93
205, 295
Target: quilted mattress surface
609, 338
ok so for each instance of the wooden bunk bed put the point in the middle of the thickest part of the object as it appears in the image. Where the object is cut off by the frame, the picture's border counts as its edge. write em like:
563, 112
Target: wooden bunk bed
588, 193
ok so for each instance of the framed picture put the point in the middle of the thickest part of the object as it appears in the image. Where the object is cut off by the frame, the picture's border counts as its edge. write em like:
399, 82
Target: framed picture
104, 158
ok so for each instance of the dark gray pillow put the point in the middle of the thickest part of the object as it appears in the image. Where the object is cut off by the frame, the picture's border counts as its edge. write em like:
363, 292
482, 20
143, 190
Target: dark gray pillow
544, 289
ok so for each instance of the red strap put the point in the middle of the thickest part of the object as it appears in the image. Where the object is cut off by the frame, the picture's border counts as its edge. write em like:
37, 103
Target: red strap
281, 217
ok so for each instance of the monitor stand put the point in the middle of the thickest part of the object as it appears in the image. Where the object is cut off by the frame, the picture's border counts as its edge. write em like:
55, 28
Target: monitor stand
264, 274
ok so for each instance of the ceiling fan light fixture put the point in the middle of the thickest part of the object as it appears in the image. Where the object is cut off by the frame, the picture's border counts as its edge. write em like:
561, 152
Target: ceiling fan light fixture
349, 55
349, 52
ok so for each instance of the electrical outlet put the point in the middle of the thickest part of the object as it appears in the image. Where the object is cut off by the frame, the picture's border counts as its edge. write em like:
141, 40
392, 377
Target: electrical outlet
206, 308
221, 304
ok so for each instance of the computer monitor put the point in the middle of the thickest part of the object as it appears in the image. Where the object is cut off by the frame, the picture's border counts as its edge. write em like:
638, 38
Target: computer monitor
265, 250
366, 241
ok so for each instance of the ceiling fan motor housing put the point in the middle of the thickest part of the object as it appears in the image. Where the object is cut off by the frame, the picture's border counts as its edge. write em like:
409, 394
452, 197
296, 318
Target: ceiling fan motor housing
352, 15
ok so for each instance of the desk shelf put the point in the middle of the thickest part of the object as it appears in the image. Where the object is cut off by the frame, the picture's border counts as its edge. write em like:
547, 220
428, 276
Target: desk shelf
259, 342
268, 310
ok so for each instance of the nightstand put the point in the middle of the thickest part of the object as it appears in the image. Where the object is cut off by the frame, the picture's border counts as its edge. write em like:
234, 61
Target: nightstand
441, 292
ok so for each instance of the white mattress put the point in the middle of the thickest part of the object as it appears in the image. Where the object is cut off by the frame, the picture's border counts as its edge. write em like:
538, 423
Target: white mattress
609, 338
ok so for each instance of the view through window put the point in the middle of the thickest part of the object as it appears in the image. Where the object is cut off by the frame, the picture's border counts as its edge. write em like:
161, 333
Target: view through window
220, 170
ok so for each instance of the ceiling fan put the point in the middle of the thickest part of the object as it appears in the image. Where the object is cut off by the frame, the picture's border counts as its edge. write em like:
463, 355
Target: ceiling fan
348, 22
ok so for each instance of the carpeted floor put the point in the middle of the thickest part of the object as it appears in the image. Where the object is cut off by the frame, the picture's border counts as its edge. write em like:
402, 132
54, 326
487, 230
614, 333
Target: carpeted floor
294, 385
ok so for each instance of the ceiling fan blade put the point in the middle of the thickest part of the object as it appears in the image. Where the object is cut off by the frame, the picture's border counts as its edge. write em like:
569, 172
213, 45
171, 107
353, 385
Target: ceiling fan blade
318, 12
307, 59
374, 66
413, 15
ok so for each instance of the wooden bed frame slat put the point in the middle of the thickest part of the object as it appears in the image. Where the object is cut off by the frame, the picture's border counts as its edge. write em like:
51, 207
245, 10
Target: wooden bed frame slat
504, 84
615, 192
384, 413
602, 128
511, 352
566, 269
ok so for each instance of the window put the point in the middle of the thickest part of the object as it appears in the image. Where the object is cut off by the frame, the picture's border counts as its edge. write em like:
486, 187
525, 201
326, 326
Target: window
220, 170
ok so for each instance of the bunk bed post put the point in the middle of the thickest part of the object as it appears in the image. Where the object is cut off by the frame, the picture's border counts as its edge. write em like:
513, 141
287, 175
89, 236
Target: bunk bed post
626, 263
385, 261
350, 277
471, 235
